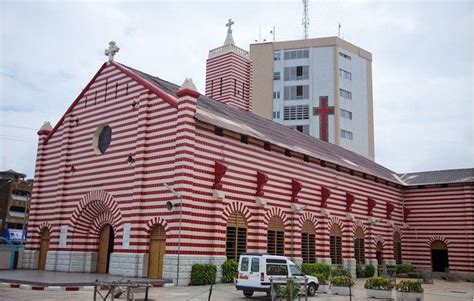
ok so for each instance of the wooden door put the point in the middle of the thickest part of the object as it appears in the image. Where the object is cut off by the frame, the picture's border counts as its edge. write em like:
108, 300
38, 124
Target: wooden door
43, 251
106, 245
156, 252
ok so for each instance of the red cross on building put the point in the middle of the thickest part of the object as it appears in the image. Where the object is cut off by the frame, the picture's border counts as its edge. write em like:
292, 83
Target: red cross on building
323, 111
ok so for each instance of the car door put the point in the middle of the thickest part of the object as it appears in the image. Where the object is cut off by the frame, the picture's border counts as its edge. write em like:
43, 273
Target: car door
254, 274
297, 273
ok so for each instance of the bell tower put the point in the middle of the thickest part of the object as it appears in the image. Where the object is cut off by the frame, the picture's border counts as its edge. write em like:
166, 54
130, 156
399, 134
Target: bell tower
229, 74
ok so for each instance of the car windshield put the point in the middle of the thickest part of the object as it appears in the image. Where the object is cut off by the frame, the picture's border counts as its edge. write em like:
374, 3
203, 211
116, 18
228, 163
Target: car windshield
295, 271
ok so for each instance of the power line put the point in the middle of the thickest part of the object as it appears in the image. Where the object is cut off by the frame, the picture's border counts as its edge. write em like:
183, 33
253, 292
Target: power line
16, 126
15, 139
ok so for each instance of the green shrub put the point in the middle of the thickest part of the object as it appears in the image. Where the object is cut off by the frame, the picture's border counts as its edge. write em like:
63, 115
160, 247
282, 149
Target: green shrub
379, 283
202, 274
229, 270
323, 279
291, 286
340, 272
360, 271
409, 286
316, 268
404, 268
344, 281
369, 271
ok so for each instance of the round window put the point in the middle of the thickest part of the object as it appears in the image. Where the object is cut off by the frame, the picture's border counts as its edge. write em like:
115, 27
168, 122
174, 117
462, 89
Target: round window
102, 139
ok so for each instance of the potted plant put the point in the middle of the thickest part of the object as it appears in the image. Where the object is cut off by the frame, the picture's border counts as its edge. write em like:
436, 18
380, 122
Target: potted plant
323, 283
379, 287
340, 285
409, 290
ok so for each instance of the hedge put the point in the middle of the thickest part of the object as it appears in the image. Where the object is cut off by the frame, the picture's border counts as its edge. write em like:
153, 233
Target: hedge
344, 281
202, 274
340, 272
404, 268
409, 286
229, 270
378, 283
316, 268
369, 270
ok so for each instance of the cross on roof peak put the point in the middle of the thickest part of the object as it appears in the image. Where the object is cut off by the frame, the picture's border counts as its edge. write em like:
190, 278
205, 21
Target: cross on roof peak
111, 51
229, 24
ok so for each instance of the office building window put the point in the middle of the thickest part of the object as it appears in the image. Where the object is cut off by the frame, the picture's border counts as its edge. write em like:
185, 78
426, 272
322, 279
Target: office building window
302, 128
276, 115
276, 75
345, 74
346, 134
346, 114
345, 94
344, 56
276, 56
296, 92
300, 112
276, 95
296, 54
296, 73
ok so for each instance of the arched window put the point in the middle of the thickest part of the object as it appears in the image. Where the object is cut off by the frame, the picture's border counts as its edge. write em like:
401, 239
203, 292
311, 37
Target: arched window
308, 240
236, 236
335, 243
397, 247
276, 236
359, 250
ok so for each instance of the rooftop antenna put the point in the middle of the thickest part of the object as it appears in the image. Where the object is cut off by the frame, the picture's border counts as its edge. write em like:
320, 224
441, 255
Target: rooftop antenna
305, 18
273, 33
339, 30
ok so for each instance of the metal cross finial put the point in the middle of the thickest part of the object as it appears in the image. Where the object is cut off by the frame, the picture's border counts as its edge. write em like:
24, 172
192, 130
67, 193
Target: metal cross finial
111, 51
229, 24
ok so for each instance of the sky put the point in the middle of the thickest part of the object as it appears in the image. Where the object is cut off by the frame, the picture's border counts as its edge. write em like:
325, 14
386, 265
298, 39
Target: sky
423, 63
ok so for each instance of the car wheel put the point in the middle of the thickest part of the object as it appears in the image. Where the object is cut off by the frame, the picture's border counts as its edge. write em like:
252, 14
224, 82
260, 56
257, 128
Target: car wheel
248, 294
311, 289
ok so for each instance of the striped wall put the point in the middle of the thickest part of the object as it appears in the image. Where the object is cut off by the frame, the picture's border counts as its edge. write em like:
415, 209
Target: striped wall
441, 213
77, 187
229, 79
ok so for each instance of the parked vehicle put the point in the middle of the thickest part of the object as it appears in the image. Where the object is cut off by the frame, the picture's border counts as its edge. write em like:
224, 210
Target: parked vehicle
255, 271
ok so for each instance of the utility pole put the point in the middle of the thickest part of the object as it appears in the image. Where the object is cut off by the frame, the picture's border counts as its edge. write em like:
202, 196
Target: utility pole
305, 18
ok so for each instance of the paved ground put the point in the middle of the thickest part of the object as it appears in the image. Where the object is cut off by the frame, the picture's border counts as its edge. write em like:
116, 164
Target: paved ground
440, 290
46, 278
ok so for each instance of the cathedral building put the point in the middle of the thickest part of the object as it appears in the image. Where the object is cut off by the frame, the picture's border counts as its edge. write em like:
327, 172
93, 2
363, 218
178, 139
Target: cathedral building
142, 177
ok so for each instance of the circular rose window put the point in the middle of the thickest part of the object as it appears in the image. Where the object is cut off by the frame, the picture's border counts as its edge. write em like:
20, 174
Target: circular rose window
102, 139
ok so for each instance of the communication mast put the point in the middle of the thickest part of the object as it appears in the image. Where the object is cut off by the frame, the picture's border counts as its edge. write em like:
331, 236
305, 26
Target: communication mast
305, 18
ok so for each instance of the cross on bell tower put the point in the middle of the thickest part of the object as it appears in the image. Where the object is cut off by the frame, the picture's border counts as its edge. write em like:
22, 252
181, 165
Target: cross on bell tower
323, 111
229, 40
111, 51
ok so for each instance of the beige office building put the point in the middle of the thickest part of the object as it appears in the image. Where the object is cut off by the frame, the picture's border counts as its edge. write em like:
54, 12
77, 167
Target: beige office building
322, 87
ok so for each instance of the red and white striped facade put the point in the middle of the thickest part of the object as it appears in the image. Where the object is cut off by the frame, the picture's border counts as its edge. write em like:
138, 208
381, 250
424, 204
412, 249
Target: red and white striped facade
229, 76
77, 188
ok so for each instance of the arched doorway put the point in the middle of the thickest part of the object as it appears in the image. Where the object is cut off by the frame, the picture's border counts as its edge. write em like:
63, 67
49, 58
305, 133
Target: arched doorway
359, 248
236, 236
276, 236
379, 253
397, 247
43, 250
308, 242
439, 256
335, 244
106, 247
156, 252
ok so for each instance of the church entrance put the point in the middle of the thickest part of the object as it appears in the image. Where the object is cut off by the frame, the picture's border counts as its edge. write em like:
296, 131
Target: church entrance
106, 247
43, 251
439, 256
379, 253
156, 252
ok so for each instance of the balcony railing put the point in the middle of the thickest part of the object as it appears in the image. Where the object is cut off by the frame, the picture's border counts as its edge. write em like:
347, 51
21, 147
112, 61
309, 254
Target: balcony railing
18, 197
219, 50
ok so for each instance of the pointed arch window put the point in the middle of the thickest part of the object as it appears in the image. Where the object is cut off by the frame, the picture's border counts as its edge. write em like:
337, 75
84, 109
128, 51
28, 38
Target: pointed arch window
236, 236
397, 247
359, 249
276, 237
335, 244
308, 241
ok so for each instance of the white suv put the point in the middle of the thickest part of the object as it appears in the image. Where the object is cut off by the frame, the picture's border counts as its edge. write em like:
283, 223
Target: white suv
256, 269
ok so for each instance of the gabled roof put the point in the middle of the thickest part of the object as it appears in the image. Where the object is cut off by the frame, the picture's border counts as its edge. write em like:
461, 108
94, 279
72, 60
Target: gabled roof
246, 123
449, 176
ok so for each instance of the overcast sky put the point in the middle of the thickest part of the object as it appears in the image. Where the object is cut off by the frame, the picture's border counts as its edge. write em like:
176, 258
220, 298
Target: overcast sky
423, 63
